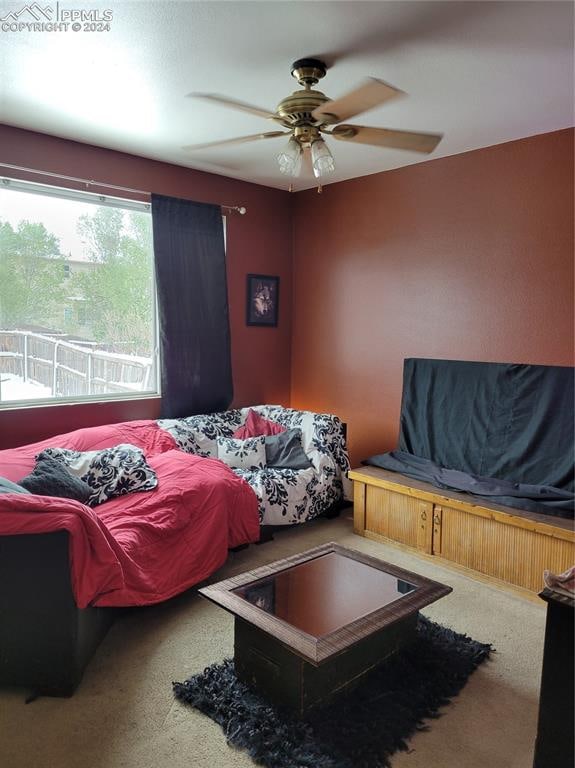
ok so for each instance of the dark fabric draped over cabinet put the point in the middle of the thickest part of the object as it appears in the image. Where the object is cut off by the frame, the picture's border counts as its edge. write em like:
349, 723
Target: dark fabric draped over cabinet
505, 431
504, 420
194, 326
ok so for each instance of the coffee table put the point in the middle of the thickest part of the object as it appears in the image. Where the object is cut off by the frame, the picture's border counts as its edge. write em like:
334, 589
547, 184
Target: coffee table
313, 624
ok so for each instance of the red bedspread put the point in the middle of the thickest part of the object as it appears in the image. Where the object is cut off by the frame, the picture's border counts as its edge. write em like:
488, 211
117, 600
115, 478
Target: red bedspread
144, 547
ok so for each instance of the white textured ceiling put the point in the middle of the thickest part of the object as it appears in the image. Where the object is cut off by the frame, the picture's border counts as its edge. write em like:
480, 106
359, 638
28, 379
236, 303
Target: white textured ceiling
481, 73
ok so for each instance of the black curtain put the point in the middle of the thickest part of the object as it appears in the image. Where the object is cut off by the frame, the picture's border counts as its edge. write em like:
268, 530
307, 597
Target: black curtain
194, 328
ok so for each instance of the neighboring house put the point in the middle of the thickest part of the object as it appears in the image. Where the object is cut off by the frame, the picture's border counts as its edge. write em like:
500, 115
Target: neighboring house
74, 311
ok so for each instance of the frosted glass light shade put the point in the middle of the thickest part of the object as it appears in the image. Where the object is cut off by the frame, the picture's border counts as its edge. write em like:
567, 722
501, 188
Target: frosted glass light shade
289, 158
322, 159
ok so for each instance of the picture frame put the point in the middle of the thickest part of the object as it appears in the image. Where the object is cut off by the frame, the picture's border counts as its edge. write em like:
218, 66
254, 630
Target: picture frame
262, 300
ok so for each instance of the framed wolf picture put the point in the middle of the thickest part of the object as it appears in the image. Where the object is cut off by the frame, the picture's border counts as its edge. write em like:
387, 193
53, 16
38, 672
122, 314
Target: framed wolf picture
262, 300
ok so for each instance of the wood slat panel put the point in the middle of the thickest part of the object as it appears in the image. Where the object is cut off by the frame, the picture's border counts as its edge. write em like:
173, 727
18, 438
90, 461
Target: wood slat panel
404, 515
377, 510
396, 516
514, 555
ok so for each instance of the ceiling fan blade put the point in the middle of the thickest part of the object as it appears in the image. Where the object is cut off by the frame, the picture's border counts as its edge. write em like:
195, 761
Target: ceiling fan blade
387, 137
238, 140
372, 93
224, 101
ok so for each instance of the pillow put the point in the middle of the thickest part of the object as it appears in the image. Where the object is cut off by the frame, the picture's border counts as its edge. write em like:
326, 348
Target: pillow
7, 486
243, 454
198, 434
255, 425
78, 462
110, 472
51, 478
285, 451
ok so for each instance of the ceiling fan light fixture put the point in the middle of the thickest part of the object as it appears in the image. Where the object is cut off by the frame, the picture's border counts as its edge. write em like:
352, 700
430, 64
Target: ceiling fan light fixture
289, 159
322, 159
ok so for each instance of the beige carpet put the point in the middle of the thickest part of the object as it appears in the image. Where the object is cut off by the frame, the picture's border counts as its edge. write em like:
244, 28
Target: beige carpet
124, 716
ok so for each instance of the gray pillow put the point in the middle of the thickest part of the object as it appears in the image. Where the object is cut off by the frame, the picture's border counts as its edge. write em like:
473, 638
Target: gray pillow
51, 478
7, 486
284, 451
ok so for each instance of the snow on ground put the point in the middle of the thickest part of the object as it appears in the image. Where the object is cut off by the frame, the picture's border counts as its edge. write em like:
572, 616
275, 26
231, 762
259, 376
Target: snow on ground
15, 388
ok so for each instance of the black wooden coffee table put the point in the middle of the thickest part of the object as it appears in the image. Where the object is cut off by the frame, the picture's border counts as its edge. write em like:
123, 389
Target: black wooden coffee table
311, 625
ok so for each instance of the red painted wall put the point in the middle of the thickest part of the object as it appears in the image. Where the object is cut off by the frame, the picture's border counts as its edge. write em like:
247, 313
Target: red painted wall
260, 242
466, 257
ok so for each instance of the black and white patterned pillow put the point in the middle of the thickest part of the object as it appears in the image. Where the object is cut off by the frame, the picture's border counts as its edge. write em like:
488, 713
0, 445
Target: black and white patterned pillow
243, 454
110, 472
198, 434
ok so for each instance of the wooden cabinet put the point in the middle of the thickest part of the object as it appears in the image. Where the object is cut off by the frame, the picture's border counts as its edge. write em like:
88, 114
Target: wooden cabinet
500, 542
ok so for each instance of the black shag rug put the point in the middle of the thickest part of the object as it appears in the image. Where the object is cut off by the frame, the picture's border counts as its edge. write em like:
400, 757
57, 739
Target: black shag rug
361, 729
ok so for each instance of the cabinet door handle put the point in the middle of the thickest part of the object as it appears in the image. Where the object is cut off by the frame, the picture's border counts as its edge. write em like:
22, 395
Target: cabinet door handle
424, 515
437, 519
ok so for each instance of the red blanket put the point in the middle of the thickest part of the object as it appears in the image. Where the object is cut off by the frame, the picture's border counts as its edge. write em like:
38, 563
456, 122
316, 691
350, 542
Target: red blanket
145, 547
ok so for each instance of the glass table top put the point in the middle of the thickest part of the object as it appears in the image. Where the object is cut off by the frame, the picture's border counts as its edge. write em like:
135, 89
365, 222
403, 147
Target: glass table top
325, 593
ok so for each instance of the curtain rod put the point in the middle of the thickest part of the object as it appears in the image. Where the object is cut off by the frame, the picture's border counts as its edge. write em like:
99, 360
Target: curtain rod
91, 183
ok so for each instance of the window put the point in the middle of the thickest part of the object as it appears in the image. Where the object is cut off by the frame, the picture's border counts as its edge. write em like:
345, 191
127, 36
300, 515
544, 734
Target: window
77, 296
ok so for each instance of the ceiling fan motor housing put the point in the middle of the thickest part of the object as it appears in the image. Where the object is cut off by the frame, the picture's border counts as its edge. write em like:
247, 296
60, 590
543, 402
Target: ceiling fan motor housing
297, 108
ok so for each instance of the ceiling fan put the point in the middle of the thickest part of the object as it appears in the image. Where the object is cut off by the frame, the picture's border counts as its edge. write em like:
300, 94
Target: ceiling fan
307, 114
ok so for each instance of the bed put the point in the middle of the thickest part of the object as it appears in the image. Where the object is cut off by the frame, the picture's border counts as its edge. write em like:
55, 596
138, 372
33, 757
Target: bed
63, 564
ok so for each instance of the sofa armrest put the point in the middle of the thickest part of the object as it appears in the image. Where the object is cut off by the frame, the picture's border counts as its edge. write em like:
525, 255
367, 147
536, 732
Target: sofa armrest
46, 641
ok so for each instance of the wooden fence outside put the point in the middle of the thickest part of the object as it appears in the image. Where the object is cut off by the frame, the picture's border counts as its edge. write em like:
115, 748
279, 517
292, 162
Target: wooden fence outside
69, 369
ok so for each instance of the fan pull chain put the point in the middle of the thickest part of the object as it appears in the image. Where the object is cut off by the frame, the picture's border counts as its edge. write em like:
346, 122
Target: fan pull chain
319, 189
